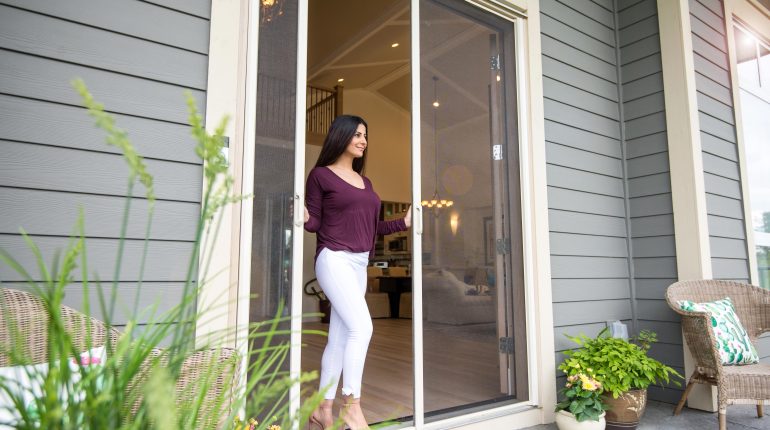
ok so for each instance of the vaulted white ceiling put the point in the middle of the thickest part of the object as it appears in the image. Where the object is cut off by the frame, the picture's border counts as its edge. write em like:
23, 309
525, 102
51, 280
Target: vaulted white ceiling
353, 40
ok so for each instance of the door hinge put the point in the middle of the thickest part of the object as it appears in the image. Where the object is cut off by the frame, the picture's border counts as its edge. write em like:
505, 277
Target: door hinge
494, 62
504, 246
506, 345
497, 152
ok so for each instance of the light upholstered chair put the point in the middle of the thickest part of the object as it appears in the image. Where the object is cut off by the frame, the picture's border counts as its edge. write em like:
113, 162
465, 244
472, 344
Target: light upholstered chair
446, 300
736, 384
23, 317
379, 306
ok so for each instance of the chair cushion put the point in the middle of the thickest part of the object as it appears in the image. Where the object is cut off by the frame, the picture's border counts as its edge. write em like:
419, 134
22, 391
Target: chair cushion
733, 341
26, 384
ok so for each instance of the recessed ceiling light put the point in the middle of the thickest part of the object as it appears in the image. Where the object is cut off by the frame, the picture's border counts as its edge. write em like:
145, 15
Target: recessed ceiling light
395, 45
340, 79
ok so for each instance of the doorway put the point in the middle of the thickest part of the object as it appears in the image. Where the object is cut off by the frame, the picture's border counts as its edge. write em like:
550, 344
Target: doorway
464, 347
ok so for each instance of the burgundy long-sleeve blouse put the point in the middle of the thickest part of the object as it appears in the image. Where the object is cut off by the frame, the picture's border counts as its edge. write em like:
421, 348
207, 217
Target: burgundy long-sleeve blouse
343, 216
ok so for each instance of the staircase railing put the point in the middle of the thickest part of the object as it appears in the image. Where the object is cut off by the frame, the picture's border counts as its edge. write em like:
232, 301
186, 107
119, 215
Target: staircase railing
323, 105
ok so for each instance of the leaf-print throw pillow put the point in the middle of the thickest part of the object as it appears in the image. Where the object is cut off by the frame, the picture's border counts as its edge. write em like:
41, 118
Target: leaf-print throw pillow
732, 339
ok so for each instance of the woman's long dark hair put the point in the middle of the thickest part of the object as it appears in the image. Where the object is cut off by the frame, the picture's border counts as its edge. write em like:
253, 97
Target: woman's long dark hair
340, 134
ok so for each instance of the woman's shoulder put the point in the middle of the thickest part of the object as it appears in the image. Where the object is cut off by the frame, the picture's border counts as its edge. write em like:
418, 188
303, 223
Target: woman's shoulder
317, 172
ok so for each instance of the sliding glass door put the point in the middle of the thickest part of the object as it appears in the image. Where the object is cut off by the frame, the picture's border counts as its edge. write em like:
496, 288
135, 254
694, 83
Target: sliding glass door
468, 348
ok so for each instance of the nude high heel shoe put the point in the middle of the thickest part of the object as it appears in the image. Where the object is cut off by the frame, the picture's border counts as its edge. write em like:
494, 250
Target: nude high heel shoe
320, 420
352, 415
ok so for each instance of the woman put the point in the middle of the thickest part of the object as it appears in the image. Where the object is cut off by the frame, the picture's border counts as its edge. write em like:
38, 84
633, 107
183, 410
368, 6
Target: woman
343, 210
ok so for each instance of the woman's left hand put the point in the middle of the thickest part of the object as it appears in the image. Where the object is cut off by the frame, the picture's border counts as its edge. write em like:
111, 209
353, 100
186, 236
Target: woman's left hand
408, 218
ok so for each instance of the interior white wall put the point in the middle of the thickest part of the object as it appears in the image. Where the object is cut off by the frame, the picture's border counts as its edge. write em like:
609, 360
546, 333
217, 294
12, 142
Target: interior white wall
388, 161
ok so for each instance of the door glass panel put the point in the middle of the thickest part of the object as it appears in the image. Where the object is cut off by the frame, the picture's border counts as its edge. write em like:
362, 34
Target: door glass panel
358, 63
472, 281
271, 250
755, 109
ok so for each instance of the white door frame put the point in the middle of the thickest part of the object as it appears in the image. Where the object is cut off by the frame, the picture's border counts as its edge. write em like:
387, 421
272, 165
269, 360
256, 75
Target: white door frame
417, 216
298, 227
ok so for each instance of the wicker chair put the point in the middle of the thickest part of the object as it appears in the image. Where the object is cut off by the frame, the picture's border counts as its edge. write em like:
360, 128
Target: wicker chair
30, 319
744, 384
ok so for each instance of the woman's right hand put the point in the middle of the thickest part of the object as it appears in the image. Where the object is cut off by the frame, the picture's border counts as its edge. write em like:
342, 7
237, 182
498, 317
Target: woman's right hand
307, 215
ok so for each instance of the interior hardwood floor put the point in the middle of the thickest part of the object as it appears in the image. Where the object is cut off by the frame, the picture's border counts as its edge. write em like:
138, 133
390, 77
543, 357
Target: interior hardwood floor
461, 367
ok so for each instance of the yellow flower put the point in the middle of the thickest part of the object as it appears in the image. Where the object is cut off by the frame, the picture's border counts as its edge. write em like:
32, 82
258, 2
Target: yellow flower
568, 385
589, 385
274, 427
572, 378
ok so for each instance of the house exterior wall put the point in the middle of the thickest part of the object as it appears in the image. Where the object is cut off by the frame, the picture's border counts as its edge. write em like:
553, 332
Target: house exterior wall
651, 232
586, 196
610, 211
137, 58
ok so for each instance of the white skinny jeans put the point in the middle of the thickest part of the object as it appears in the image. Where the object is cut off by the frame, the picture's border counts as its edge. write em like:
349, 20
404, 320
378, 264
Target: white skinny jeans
342, 276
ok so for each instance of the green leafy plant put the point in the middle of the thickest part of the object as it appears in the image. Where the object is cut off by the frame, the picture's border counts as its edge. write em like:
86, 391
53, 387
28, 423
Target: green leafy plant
619, 365
582, 396
136, 384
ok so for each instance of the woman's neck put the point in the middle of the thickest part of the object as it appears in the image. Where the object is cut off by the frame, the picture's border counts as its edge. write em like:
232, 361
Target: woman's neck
344, 162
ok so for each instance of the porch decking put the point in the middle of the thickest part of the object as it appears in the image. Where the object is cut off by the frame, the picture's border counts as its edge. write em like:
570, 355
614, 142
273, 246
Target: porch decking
659, 416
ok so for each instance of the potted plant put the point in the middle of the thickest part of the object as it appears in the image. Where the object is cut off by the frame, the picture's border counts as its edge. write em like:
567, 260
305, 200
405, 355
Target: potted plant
582, 408
624, 370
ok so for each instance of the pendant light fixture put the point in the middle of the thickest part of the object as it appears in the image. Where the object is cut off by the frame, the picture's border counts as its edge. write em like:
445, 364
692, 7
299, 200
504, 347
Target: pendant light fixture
436, 201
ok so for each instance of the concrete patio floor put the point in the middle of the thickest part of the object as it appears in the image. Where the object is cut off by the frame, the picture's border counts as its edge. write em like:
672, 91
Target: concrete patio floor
659, 416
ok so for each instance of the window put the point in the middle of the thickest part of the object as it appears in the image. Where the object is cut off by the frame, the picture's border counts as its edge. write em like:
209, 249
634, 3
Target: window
753, 60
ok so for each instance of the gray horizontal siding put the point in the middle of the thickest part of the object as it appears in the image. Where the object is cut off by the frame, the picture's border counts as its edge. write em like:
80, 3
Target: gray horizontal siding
74, 170
155, 298
199, 8
32, 77
587, 224
65, 127
50, 37
565, 135
31, 209
137, 58
587, 217
167, 261
158, 24
576, 290
651, 223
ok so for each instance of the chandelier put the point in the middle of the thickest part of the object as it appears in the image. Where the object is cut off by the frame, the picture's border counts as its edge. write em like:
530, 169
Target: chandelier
436, 201
271, 9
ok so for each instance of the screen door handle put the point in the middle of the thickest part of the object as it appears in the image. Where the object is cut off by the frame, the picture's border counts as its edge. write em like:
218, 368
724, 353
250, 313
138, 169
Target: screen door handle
299, 212
417, 219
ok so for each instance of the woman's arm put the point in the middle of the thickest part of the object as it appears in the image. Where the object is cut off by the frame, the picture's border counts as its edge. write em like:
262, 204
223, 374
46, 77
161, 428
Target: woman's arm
396, 225
313, 203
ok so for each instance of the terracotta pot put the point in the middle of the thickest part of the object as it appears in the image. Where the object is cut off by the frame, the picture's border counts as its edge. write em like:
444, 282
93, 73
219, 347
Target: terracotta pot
567, 421
625, 412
